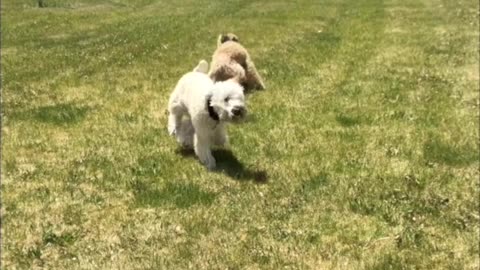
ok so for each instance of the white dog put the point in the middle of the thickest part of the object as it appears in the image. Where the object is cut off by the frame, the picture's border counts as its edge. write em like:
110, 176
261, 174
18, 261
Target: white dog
207, 106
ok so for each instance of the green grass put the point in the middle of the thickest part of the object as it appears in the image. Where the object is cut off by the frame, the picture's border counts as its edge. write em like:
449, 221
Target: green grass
363, 153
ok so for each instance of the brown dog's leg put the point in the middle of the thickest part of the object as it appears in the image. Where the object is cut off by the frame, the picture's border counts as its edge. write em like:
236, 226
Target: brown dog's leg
254, 81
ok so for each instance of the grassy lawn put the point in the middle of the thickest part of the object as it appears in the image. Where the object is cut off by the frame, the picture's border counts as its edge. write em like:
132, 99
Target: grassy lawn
363, 152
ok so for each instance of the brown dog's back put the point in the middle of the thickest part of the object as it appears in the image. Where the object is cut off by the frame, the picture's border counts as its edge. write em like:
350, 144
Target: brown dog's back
232, 50
232, 61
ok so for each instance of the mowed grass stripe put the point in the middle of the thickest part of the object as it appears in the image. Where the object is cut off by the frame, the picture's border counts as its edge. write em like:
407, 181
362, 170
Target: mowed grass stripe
304, 104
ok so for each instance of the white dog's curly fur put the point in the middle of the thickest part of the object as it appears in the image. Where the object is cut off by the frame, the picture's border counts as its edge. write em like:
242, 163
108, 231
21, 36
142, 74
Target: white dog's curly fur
206, 107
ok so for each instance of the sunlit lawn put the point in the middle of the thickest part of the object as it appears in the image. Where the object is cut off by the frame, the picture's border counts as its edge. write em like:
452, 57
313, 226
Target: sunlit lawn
363, 152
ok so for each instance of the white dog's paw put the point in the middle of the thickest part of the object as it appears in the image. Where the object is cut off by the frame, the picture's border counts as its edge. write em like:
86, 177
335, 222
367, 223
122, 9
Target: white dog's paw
209, 162
185, 140
172, 124
172, 130
202, 67
211, 165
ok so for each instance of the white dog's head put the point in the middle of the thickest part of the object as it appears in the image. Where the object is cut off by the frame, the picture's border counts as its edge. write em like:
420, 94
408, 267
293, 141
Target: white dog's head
228, 101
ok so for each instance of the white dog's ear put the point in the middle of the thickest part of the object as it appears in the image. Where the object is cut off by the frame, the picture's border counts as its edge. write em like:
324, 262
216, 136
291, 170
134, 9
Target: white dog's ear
202, 67
212, 107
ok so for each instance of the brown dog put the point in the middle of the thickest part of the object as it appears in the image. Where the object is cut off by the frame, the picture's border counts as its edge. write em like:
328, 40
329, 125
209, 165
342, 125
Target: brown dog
232, 61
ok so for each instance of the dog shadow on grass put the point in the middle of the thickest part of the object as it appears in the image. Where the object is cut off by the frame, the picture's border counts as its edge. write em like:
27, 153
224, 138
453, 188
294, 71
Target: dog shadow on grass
228, 164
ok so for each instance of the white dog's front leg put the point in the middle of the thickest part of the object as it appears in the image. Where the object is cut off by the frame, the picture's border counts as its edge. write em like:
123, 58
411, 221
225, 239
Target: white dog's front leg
203, 151
220, 136
185, 134
174, 123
